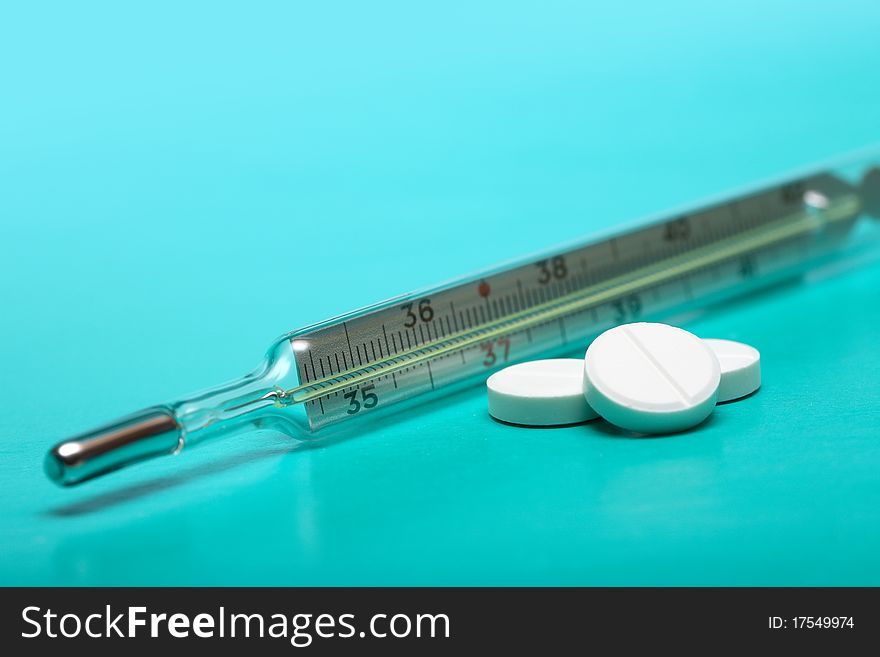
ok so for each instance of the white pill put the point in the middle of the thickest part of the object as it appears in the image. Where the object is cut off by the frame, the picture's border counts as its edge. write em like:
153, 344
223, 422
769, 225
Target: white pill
540, 393
740, 368
651, 378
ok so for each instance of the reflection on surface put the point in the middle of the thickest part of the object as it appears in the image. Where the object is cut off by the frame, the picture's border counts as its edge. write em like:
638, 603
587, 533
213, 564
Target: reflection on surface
180, 477
447, 496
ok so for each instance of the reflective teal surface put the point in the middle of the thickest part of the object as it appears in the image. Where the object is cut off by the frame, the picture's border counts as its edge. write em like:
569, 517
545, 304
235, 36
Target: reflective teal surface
179, 185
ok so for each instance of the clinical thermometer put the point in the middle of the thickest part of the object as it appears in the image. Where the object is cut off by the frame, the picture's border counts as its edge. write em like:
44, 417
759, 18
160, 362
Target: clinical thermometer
333, 377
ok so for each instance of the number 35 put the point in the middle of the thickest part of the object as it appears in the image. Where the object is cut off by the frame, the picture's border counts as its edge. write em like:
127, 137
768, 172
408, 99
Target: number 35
368, 399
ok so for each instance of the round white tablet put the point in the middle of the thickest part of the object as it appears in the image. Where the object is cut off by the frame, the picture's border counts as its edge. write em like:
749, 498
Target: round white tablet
740, 368
540, 393
651, 378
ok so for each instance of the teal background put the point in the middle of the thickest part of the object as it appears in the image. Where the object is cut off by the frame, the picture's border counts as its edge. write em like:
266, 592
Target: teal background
182, 182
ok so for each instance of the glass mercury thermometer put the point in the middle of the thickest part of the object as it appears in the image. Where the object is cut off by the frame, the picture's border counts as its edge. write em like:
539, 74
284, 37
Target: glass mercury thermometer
332, 377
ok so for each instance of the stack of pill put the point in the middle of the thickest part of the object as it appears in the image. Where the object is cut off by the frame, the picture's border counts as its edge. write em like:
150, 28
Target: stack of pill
644, 377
